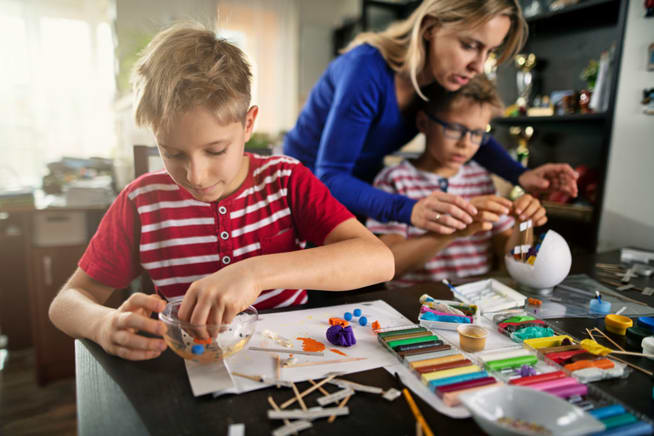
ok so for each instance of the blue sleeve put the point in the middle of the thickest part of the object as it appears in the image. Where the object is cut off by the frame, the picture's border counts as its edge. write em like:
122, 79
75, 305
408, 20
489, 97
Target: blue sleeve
495, 159
356, 102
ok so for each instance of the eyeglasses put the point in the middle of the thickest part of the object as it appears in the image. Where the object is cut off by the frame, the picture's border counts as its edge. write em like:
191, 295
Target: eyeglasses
458, 132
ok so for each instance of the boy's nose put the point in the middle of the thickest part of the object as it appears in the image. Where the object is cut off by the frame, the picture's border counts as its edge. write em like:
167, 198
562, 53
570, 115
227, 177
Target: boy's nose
196, 173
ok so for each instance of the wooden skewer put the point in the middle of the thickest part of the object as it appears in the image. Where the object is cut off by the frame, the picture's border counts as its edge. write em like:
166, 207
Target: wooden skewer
299, 398
632, 353
287, 351
325, 362
608, 339
343, 403
643, 370
256, 378
278, 366
320, 388
308, 391
274, 406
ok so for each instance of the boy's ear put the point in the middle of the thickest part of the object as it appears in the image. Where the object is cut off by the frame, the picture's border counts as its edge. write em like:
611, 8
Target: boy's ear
250, 118
421, 121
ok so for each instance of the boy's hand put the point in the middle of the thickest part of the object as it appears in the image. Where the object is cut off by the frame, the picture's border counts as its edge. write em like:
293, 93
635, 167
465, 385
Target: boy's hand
550, 178
118, 334
491, 207
218, 298
529, 208
442, 213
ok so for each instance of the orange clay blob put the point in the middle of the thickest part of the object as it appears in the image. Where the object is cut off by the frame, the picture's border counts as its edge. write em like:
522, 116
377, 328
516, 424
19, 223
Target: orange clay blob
582, 364
333, 350
202, 341
375, 325
338, 321
309, 344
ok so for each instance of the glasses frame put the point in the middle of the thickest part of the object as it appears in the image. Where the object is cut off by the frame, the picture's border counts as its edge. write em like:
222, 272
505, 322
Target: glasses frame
462, 131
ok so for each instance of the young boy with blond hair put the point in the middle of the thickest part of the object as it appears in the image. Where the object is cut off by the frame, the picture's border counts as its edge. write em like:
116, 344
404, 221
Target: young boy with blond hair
220, 227
454, 125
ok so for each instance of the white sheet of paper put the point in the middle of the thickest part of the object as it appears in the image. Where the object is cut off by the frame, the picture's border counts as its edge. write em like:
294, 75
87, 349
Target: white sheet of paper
309, 323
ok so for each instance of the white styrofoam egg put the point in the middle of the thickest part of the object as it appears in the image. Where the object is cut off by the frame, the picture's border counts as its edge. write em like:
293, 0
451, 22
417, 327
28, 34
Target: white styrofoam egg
552, 264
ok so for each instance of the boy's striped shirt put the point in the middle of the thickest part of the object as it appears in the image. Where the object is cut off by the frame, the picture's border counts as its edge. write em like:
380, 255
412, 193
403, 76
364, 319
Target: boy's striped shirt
465, 256
158, 226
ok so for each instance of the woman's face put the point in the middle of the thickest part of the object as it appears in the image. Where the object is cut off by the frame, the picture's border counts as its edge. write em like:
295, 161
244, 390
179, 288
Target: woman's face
456, 55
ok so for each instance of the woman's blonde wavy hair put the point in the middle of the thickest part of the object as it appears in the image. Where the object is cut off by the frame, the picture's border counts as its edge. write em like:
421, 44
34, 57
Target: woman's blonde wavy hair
186, 66
403, 45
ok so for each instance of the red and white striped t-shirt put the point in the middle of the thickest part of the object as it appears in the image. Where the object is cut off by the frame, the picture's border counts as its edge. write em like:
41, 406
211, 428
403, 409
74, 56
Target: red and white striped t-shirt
465, 256
158, 226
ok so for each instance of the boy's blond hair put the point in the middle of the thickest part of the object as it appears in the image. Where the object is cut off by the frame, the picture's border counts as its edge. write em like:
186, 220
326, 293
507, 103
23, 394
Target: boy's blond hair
403, 45
479, 89
185, 66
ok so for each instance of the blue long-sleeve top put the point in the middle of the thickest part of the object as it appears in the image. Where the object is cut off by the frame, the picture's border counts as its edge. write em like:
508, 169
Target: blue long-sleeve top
351, 121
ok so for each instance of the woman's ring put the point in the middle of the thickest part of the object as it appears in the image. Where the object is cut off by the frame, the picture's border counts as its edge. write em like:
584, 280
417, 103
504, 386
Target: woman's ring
438, 215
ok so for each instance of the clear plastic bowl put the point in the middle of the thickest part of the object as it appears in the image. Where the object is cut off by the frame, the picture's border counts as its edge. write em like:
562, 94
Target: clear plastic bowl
185, 339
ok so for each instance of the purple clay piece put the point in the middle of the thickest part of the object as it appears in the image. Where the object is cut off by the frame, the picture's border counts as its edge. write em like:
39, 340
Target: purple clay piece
338, 335
526, 371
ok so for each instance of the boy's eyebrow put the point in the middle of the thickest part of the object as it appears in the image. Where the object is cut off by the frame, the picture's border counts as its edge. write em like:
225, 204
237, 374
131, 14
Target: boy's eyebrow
209, 144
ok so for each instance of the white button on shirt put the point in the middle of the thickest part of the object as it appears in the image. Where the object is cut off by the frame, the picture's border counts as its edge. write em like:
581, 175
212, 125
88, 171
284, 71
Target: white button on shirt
222, 210
224, 235
226, 260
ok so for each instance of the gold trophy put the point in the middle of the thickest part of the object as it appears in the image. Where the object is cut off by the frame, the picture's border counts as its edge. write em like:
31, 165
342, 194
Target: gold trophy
523, 135
524, 77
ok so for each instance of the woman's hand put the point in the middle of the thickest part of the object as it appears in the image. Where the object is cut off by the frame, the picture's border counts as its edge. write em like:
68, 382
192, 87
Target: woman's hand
550, 178
442, 213
118, 332
529, 208
218, 298
490, 208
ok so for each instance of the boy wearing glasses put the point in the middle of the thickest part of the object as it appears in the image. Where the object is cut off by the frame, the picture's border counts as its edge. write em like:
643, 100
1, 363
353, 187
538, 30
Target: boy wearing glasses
454, 125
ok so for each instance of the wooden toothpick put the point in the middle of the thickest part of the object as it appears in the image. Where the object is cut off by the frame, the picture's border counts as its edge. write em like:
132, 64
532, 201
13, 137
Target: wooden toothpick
320, 388
324, 362
298, 397
256, 378
274, 406
343, 403
308, 391
608, 339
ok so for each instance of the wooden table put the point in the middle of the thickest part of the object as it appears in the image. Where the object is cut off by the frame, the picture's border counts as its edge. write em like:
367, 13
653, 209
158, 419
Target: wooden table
119, 397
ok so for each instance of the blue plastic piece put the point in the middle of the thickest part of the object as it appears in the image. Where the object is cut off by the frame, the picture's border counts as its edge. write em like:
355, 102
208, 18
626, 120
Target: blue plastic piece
347, 316
646, 322
430, 316
600, 306
363, 320
639, 428
605, 412
357, 312
197, 349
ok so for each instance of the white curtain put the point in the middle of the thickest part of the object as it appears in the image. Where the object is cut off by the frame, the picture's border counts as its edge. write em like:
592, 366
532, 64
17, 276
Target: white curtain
57, 85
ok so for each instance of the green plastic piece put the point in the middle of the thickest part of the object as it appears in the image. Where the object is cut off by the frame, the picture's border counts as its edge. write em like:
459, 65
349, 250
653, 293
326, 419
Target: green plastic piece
417, 340
519, 318
401, 332
513, 362
618, 420
531, 333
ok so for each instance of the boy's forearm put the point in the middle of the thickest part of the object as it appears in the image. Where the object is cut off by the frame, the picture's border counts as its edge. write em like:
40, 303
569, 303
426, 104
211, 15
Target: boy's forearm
77, 314
412, 254
348, 264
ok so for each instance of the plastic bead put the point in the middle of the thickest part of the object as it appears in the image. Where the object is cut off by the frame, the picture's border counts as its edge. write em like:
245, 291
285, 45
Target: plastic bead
357, 312
347, 316
197, 349
363, 320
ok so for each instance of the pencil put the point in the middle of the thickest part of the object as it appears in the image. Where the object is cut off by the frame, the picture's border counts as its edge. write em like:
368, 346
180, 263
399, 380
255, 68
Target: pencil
416, 412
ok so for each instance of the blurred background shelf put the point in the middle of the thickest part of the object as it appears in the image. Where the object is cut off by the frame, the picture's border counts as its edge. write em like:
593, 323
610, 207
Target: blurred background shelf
569, 211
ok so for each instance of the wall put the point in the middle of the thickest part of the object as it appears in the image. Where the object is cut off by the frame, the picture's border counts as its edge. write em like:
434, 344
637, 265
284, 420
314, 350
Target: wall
628, 215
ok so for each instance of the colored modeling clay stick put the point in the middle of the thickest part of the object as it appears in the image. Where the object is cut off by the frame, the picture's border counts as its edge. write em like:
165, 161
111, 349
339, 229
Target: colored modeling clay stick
552, 384
408, 341
456, 379
407, 336
549, 341
618, 420
524, 381
607, 411
448, 365
432, 355
426, 378
489, 357
451, 399
546, 350
513, 362
429, 316
639, 428
562, 356
417, 346
437, 361
440, 347
401, 332
582, 364
518, 319
424, 308
464, 385
568, 391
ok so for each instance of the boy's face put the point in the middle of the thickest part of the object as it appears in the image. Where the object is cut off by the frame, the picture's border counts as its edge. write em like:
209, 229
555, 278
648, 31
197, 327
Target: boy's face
444, 155
204, 156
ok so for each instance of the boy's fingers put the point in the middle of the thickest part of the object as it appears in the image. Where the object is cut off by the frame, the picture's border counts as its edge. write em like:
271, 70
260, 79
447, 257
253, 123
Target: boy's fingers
529, 210
438, 228
125, 339
131, 320
449, 221
188, 303
487, 216
131, 354
143, 301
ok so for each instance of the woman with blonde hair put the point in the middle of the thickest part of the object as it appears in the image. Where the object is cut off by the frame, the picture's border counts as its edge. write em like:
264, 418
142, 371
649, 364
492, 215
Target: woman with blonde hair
363, 108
